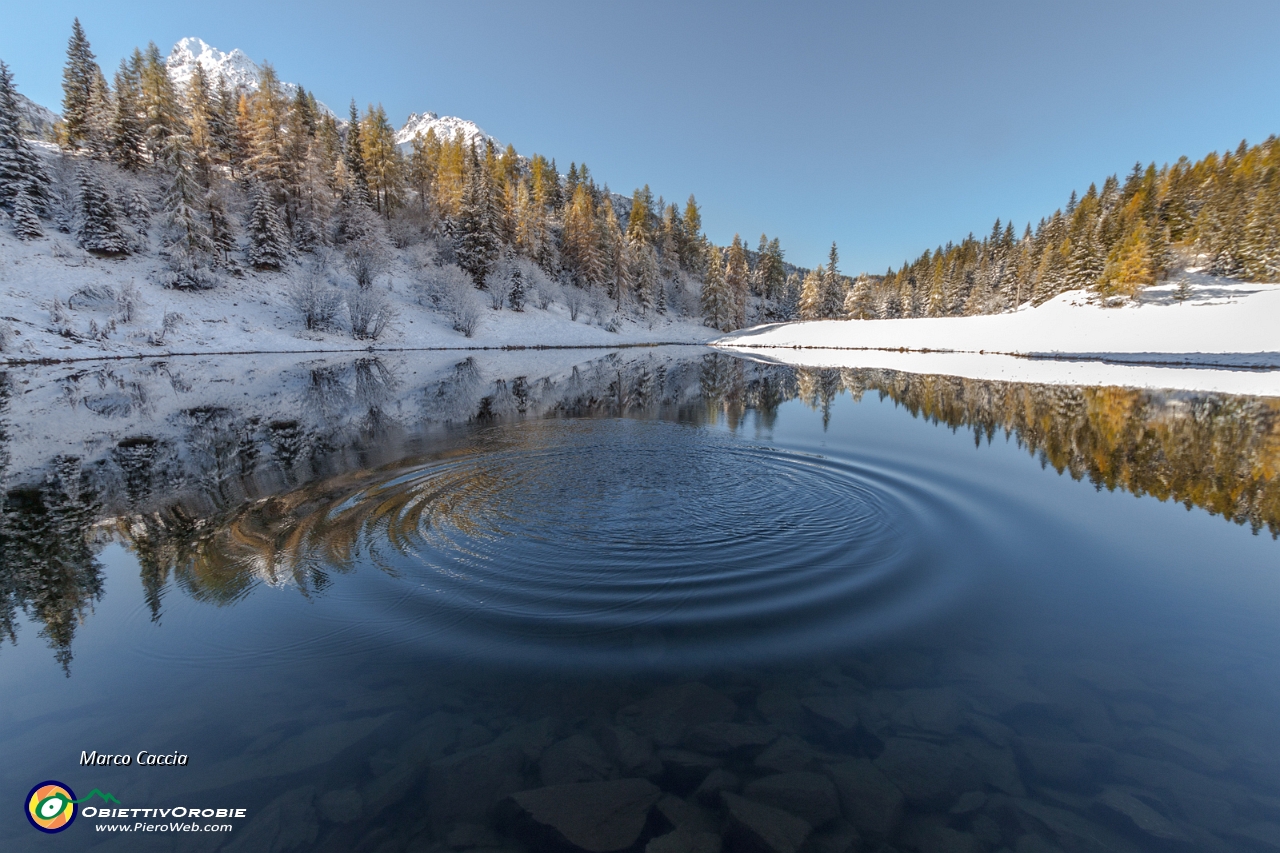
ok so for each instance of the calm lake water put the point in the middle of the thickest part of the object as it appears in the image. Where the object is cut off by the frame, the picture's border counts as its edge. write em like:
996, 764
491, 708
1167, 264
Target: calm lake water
654, 599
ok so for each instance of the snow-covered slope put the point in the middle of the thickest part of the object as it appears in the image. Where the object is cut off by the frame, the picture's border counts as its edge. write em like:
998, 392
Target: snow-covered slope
444, 126
36, 121
1224, 337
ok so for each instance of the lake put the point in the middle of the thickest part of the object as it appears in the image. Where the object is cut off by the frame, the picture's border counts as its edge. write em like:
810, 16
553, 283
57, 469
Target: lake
657, 599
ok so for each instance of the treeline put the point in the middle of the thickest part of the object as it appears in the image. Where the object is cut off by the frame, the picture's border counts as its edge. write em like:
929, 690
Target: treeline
259, 178
1221, 213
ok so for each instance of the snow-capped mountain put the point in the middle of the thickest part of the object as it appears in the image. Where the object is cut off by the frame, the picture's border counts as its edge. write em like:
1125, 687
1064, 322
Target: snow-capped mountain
239, 70
444, 126
36, 121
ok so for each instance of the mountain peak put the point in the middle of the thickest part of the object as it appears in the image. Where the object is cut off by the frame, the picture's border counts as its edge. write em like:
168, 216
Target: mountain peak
237, 68
446, 127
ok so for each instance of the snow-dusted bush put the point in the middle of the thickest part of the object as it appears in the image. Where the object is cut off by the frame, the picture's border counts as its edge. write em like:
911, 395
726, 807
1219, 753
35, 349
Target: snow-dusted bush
498, 284
449, 290
367, 258
575, 299
185, 272
128, 301
92, 296
409, 227
6, 336
60, 319
171, 321
545, 292
372, 314
318, 301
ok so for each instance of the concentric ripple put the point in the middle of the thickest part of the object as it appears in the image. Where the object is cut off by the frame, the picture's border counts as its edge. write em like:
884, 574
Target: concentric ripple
613, 542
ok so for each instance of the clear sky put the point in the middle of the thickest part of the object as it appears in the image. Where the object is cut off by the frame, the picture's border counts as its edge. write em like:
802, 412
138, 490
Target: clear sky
888, 127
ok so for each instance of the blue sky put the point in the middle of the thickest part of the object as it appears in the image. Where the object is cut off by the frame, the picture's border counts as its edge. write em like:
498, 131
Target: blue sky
888, 127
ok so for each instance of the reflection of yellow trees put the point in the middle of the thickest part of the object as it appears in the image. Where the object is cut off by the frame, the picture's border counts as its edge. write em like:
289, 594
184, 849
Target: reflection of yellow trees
1214, 451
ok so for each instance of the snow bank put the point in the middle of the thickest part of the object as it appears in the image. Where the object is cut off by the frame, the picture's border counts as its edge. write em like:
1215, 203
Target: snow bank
1224, 337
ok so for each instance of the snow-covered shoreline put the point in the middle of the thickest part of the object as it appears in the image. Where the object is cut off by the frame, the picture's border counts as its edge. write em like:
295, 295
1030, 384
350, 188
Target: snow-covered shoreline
1223, 337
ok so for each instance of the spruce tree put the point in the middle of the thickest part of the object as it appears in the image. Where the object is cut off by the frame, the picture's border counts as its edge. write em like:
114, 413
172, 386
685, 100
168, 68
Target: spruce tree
789, 305
737, 279
832, 287
353, 159
26, 222
127, 135
78, 78
691, 253
516, 296
477, 226
717, 301
99, 229
268, 241
20, 166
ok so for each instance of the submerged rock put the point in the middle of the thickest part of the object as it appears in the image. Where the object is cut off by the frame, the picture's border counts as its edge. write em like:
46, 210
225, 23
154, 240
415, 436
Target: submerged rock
753, 827
1143, 816
287, 823
577, 758
809, 795
597, 817
685, 841
467, 785
869, 799
342, 806
785, 754
667, 713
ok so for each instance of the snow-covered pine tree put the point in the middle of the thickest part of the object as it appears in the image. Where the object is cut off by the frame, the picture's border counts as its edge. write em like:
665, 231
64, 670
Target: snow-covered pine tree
26, 222
353, 160
78, 77
268, 241
99, 229
737, 279
692, 252
832, 287
20, 166
516, 296
127, 135
717, 301
478, 226
645, 273
187, 240
789, 305
858, 303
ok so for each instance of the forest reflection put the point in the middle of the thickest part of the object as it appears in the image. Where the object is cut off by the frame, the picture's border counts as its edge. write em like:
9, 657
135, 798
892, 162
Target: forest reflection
220, 500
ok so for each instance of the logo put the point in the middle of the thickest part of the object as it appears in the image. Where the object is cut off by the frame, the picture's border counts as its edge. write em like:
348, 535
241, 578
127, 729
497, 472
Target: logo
51, 806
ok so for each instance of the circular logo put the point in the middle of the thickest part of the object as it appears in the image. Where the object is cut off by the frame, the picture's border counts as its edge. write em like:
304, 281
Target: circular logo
51, 806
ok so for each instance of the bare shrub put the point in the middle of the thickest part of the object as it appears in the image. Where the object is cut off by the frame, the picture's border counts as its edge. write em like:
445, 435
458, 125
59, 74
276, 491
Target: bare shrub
318, 301
92, 296
60, 320
575, 299
372, 314
366, 259
449, 290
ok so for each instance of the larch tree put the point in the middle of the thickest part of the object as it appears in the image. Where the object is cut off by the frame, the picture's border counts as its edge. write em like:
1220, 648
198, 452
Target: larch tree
717, 301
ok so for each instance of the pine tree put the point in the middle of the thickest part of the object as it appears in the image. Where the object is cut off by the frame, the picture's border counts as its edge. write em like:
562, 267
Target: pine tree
78, 78
717, 301
516, 296
20, 168
127, 135
26, 222
268, 240
692, 252
737, 279
648, 284
789, 305
357, 181
858, 303
478, 243
99, 230
832, 287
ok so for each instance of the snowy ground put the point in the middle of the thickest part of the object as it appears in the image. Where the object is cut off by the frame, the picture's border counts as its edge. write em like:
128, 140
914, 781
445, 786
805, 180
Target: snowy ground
252, 314
1225, 337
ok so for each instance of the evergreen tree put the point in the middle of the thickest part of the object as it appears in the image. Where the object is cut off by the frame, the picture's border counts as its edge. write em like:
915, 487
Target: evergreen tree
692, 252
268, 240
832, 287
127, 135
99, 229
78, 78
717, 301
859, 302
516, 297
478, 243
26, 222
20, 168
648, 284
737, 280
357, 180
789, 306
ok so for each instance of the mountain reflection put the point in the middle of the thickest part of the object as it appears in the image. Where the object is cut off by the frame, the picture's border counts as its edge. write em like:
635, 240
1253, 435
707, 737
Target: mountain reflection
215, 499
